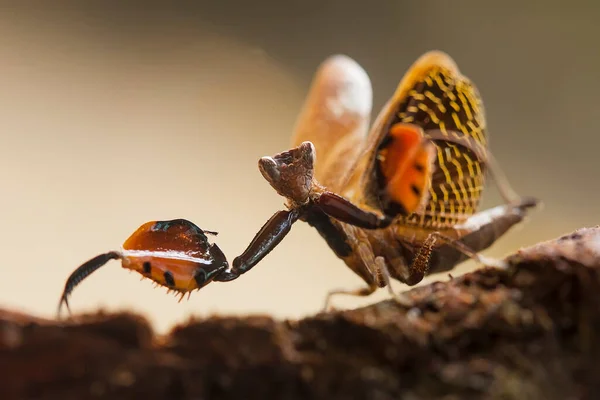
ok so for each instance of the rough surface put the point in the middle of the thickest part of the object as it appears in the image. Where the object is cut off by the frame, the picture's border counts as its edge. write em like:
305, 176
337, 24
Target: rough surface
527, 333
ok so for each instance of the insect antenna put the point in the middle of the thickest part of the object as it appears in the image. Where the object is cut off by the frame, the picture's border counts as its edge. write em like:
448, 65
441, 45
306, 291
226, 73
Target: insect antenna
506, 190
485, 155
83, 272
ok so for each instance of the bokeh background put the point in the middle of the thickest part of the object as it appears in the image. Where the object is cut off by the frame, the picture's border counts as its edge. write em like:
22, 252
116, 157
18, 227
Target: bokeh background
114, 114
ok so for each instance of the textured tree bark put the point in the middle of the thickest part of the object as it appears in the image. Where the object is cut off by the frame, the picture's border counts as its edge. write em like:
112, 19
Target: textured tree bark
527, 333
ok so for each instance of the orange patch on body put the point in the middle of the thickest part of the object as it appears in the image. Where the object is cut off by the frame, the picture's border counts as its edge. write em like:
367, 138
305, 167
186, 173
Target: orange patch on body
407, 164
168, 252
176, 235
182, 271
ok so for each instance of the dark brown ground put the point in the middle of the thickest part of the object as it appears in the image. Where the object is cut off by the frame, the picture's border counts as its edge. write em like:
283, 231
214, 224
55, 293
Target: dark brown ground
529, 333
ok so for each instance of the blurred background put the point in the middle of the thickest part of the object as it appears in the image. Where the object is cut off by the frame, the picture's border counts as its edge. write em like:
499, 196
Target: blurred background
115, 114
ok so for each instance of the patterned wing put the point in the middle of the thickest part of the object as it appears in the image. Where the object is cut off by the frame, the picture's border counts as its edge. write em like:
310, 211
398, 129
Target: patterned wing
441, 100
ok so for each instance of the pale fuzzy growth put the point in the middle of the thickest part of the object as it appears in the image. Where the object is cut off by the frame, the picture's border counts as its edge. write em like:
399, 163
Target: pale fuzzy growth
335, 117
353, 92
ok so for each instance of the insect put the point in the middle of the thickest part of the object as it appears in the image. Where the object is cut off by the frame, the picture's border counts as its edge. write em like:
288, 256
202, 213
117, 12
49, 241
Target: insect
399, 200
175, 254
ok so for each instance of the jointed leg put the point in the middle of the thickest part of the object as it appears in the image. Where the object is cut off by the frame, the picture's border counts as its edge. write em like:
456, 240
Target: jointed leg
420, 265
482, 230
466, 250
399, 298
382, 280
379, 271
83, 272
345, 211
485, 227
365, 253
269, 236
361, 292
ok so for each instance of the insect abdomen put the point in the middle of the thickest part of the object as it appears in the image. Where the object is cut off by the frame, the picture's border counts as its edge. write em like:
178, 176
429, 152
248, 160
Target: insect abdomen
178, 275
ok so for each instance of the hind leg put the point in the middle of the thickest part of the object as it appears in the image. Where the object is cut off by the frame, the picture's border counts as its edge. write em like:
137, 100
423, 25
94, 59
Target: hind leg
483, 229
378, 270
360, 292
373, 278
382, 279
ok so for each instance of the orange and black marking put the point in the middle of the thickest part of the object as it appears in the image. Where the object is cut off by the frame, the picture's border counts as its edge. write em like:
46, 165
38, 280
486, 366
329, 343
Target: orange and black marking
175, 254
448, 110
405, 163
398, 201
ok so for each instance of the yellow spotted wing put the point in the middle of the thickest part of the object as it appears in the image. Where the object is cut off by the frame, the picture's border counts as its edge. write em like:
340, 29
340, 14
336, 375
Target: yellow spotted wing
447, 106
444, 101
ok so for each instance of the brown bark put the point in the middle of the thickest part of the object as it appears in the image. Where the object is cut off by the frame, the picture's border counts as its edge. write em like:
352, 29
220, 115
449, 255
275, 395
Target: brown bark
527, 333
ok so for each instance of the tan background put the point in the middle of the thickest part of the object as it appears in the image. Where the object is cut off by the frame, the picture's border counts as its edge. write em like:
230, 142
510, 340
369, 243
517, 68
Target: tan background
111, 116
